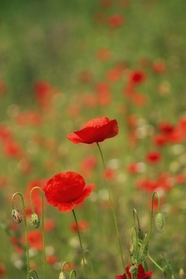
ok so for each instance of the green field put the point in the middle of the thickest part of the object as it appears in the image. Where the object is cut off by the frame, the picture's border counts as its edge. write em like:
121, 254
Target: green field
63, 63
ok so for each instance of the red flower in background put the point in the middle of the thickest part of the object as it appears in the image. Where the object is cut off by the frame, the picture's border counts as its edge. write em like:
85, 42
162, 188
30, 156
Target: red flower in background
153, 157
95, 130
66, 189
43, 93
103, 94
110, 174
51, 259
12, 149
136, 77
141, 274
159, 67
2, 269
5, 133
3, 181
135, 168
166, 127
82, 225
115, 21
36, 197
87, 165
35, 239
160, 140
103, 54
29, 118
49, 225
3, 88
162, 183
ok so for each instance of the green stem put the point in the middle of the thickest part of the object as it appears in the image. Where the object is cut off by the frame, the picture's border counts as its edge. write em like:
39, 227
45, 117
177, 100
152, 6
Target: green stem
81, 246
112, 207
42, 226
151, 220
91, 265
154, 262
25, 228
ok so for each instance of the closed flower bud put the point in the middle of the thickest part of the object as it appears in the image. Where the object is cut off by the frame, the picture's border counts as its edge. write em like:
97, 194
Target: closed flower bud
181, 273
160, 221
35, 220
133, 269
62, 275
16, 216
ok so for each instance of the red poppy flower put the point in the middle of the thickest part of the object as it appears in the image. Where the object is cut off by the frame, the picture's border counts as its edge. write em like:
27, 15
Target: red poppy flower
136, 77
103, 94
29, 118
12, 149
103, 54
166, 128
160, 140
159, 67
66, 189
35, 239
5, 133
153, 157
115, 21
82, 225
51, 259
141, 274
2, 269
95, 130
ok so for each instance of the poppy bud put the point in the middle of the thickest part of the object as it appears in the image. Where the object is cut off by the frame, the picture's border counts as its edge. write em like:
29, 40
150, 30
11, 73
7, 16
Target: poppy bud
35, 220
16, 216
133, 269
160, 221
62, 275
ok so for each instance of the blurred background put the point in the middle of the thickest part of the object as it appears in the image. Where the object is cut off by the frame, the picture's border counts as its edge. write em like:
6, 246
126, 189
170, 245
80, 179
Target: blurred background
63, 63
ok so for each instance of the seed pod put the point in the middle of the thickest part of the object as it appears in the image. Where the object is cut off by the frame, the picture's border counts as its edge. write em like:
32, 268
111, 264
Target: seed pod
160, 221
35, 220
16, 216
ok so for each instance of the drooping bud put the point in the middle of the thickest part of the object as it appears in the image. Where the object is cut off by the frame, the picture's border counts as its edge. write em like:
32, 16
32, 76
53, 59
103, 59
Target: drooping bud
62, 275
181, 272
33, 274
160, 221
16, 216
35, 220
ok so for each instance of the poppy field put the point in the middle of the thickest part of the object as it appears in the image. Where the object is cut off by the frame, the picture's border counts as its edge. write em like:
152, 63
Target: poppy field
93, 139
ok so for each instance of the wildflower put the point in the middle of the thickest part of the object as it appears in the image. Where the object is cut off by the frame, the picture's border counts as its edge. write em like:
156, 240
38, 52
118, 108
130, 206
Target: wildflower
115, 21
159, 67
12, 149
66, 189
37, 201
43, 93
103, 94
51, 259
2, 269
141, 274
29, 118
160, 140
5, 133
136, 77
49, 225
103, 54
95, 130
35, 239
166, 128
153, 157
87, 165
82, 225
